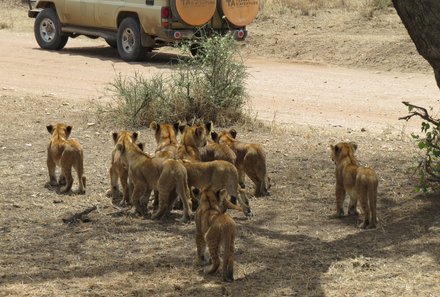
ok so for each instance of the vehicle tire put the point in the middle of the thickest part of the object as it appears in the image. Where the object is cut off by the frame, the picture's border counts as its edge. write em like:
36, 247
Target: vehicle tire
47, 30
112, 43
129, 41
196, 49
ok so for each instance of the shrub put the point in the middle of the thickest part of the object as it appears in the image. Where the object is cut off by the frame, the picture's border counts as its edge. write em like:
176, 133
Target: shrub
429, 167
139, 99
209, 86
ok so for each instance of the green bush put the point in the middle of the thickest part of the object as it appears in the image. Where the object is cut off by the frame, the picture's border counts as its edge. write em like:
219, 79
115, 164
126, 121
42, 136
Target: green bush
209, 86
429, 142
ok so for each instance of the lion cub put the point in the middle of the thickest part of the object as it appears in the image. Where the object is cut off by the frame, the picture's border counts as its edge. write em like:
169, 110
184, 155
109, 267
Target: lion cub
193, 139
216, 151
218, 175
213, 228
65, 153
165, 135
251, 159
147, 174
359, 182
119, 171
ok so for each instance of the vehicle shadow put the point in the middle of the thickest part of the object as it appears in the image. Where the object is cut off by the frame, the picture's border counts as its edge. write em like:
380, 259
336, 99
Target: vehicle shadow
160, 59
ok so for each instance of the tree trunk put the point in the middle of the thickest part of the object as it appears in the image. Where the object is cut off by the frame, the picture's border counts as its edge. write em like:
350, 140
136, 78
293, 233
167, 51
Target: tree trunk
422, 20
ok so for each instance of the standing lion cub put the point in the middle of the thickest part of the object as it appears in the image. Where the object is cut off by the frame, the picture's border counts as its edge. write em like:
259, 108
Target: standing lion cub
65, 153
359, 182
213, 229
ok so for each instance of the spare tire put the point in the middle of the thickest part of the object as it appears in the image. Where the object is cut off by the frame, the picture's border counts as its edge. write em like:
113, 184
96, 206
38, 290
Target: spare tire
194, 12
239, 12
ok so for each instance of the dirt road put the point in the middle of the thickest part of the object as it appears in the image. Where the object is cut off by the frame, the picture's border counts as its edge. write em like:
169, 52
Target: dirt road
281, 92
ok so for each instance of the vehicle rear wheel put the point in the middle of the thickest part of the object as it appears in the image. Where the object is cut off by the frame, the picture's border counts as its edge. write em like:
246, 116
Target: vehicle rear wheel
194, 49
129, 41
197, 49
112, 43
47, 30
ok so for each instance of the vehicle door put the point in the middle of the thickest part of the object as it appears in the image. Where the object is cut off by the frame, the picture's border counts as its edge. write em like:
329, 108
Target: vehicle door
106, 13
80, 12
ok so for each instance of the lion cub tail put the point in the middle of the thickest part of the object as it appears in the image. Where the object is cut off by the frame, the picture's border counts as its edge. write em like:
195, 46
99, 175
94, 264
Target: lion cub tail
372, 199
228, 247
80, 171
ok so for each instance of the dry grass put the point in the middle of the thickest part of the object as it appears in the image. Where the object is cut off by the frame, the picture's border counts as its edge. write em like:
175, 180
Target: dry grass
310, 7
292, 246
13, 16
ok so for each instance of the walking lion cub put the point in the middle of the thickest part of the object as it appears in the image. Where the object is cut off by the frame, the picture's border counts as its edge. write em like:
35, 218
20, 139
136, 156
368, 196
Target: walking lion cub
359, 182
215, 228
165, 135
147, 174
65, 153
251, 159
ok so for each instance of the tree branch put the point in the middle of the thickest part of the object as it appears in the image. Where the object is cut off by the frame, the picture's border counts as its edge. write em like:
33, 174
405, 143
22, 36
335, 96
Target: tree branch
421, 112
81, 216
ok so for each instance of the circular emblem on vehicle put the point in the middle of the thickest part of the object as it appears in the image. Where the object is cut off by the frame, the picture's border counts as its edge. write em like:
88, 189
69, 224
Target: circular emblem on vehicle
194, 12
239, 12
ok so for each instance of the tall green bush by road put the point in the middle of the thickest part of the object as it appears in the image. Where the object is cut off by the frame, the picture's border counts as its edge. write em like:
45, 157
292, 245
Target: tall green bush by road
209, 86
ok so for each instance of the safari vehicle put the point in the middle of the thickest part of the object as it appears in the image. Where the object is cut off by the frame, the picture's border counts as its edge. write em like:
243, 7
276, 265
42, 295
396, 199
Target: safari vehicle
136, 27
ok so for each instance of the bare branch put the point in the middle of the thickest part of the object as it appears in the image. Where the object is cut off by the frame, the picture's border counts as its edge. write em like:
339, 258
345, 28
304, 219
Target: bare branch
421, 112
81, 216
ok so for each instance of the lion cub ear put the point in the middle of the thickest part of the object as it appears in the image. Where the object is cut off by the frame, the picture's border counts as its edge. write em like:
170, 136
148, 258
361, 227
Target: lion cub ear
115, 136
354, 146
208, 127
68, 131
49, 128
141, 146
182, 127
214, 136
135, 136
233, 133
220, 195
335, 149
176, 126
154, 126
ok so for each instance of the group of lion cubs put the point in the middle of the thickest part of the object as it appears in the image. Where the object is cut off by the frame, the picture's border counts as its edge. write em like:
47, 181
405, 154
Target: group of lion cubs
215, 163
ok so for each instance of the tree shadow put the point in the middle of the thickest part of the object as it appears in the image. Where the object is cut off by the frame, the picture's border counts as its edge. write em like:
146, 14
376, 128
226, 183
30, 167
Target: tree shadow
62, 242
309, 258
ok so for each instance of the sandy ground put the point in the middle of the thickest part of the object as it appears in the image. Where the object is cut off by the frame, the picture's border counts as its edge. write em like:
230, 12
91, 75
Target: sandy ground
292, 247
280, 92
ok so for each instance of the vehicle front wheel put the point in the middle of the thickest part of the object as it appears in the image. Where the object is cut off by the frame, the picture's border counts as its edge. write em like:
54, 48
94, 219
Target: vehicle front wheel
129, 41
47, 30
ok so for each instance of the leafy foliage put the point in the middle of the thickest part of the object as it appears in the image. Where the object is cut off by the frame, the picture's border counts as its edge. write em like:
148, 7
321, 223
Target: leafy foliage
209, 86
429, 142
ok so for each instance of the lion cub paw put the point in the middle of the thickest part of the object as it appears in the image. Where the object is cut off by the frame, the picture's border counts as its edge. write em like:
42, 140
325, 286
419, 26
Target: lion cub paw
367, 225
81, 191
50, 186
185, 219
